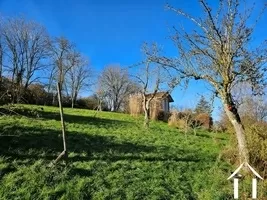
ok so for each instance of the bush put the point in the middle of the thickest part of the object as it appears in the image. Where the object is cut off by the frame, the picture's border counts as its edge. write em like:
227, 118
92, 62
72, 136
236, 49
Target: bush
89, 103
203, 120
188, 119
257, 144
256, 137
173, 119
36, 94
181, 120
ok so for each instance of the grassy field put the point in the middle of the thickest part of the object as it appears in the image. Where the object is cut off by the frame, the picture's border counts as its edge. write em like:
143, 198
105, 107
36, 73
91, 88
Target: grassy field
111, 156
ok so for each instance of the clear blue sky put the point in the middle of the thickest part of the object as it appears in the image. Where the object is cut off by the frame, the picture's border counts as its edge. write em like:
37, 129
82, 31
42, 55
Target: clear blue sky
113, 31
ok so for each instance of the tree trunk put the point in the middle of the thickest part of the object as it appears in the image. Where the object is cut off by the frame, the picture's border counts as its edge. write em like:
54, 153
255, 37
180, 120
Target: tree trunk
54, 99
99, 107
146, 111
62, 117
146, 119
232, 113
64, 153
72, 102
74, 99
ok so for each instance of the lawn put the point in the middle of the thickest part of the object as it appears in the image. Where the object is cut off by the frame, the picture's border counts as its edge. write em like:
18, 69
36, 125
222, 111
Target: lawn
111, 156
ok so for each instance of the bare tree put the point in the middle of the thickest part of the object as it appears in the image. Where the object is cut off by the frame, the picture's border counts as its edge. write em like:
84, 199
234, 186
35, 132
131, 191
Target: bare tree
249, 105
78, 75
51, 84
144, 81
114, 82
153, 78
60, 49
26, 50
218, 52
256, 108
100, 95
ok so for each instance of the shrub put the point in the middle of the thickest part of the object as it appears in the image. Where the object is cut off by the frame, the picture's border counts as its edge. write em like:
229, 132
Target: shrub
203, 120
90, 102
173, 119
188, 119
257, 145
181, 120
256, 136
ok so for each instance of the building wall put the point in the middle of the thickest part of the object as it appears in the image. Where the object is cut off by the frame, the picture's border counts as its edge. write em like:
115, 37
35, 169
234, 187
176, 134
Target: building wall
157, 105
165, 105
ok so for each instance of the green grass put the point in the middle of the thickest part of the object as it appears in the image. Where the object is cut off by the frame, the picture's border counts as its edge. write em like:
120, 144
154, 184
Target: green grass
111, 156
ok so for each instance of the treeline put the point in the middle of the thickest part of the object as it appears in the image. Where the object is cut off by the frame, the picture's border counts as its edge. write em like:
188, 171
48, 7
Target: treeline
32, 63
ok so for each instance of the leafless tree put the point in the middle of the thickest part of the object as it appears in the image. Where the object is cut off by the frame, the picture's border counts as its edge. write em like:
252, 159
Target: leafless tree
78, 76
51, 83
100, 95
115, 83
26, 50
256, 108
249, 105
60, 49
152, 79
218, 51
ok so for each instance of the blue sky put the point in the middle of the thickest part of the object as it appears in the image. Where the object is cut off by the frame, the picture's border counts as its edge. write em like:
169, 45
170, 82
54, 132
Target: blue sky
112, 32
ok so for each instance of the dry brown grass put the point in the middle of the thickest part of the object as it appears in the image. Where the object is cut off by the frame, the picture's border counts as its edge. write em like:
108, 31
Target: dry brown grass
188, 120
173, 119
181, 120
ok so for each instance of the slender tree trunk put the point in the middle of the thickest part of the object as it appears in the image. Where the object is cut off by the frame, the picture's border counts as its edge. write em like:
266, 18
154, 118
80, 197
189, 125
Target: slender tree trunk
234, 118
74, 99
99, 105
72, 103
112, 106
64, 153
146, 119
62, 118
146, 104
54, 99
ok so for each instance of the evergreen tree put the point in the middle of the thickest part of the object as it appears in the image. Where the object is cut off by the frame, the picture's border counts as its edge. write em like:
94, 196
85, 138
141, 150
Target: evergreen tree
203, 106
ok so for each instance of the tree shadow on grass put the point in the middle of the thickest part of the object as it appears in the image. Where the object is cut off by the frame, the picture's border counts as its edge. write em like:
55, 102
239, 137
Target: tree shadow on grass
39, 143
40, 140
87, 120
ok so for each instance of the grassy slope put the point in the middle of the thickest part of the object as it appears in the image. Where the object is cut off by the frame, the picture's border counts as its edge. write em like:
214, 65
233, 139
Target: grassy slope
111, 157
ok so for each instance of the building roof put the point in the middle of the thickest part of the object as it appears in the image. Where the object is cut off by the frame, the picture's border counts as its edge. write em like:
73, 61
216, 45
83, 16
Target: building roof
162, 95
